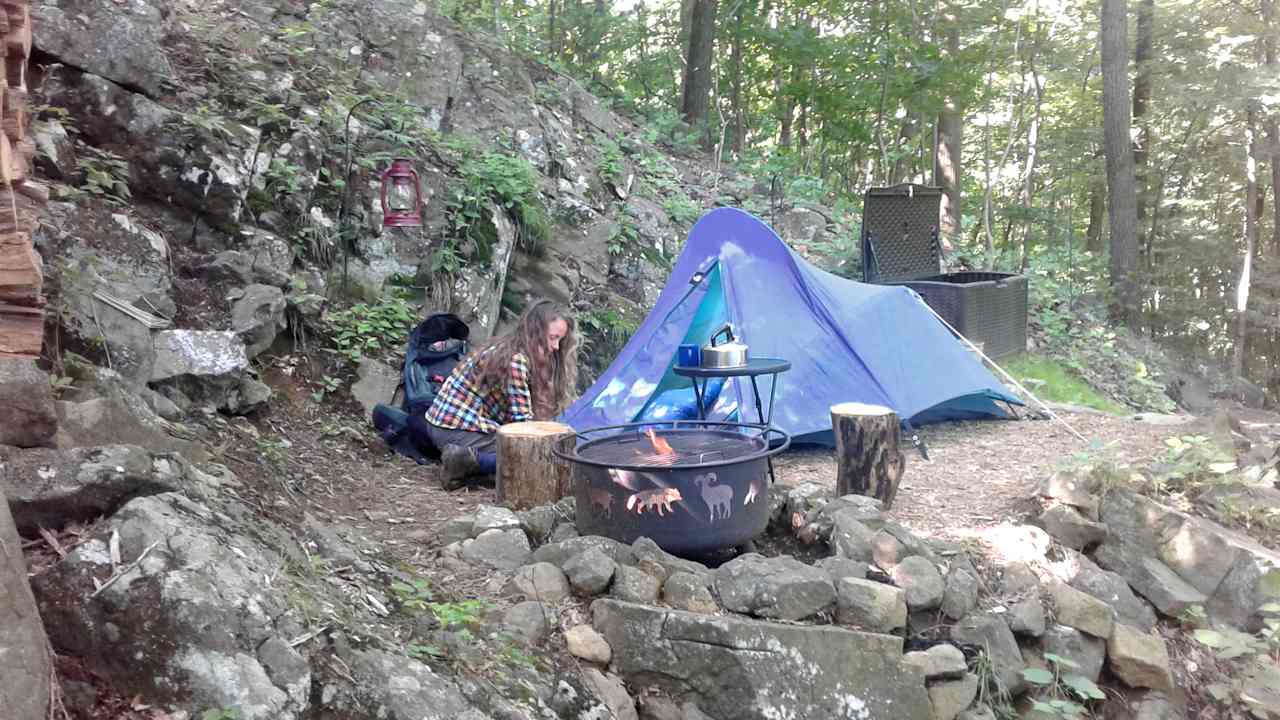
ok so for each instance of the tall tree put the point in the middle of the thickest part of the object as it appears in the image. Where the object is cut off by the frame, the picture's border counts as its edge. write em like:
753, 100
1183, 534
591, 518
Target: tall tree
1141, 100
1268, 8
1251, 214
948, 141
695, 91
1122, 201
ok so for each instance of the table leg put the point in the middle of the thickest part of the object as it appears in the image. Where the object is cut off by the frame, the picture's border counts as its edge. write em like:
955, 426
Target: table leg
755, 390
697, 396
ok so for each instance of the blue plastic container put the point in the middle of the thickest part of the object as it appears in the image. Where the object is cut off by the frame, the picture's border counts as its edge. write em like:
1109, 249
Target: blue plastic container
689, 356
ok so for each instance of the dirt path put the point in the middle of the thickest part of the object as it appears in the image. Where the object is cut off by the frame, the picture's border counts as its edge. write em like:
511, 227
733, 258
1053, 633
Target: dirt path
981, 474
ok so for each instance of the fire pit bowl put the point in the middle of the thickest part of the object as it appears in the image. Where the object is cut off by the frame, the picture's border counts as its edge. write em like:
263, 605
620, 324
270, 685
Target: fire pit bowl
691, 486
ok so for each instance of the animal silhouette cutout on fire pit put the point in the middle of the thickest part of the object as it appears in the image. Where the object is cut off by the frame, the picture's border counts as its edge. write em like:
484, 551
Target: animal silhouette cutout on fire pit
719, 498
602, 499
659, 499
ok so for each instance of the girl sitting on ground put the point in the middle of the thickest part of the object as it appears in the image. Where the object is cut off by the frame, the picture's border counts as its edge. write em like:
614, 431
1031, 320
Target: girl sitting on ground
528, 374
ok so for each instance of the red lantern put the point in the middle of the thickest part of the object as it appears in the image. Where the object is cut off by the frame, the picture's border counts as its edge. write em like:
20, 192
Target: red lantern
401, 195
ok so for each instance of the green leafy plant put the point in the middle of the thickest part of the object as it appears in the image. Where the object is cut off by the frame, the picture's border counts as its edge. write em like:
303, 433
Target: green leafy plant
328, 386
1065, 692
512, 184
106, 174
461, 614
1240, 648
414, 596
610, 166
365, 329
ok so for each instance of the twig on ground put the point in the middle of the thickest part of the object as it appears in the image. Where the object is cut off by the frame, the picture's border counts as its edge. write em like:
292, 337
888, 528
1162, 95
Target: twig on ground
123, 570
52, 540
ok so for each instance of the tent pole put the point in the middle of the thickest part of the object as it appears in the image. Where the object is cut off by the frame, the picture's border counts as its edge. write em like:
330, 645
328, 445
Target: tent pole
1007, 376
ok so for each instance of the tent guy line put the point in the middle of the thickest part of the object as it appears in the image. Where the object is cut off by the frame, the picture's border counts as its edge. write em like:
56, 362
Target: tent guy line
1006, 375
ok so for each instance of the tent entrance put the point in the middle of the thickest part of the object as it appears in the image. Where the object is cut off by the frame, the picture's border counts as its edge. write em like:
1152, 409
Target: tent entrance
673, 398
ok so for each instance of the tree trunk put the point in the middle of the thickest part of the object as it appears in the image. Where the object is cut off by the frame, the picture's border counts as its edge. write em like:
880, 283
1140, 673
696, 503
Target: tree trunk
528, 473
1141, 99
695, 93
1121, 188
948, 143
735, 97
1250, 240
1273, 131
868, 461
553, 29
1097, 213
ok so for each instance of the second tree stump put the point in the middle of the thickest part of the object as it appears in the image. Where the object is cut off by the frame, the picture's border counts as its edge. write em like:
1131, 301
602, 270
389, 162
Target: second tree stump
868, 460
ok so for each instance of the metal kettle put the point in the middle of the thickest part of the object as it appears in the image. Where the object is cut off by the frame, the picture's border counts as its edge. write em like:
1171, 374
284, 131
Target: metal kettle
727, 354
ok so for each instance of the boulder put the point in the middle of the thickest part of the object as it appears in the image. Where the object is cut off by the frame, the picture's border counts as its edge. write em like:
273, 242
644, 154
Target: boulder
1081, 610
850, 537
493, 517
1111, 588
779, 587
376, 384
1140, 659
102, 250
387, 686
27, 414
611, 693
762, 669
1026, 616
1071, 489
873, 606
258, 316
530, 622
1086, 651
960, 594
1150, 578
207, 366
838, 568
992, 633
942, 661
55, 150
24, 684
646, 549
557, 553
921, 583
188, 619
949, 697
71, 31
894, 543
634, 585
584, 642
49, 488
590, 572
539, 581
102, 408
501, 549
1070, 528
688, 592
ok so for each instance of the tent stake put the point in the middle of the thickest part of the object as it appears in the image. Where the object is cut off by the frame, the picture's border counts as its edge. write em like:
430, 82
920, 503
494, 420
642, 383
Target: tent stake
1007, 376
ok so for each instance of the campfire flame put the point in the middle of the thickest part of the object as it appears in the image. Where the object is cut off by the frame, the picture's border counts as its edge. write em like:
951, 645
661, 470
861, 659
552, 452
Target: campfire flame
660, 445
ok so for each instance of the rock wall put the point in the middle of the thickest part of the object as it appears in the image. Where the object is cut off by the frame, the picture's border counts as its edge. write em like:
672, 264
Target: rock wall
24, 684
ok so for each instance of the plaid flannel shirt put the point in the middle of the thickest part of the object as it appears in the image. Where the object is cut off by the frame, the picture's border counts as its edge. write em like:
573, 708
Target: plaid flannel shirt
463, 405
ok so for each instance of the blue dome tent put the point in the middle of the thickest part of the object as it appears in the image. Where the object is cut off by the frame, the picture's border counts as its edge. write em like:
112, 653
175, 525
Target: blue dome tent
846, 341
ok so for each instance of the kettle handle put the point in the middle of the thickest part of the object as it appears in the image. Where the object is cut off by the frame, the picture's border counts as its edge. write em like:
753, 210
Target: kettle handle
725, 328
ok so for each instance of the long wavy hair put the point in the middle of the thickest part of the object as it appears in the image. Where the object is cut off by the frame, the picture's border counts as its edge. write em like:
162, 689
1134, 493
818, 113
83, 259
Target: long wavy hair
553, 375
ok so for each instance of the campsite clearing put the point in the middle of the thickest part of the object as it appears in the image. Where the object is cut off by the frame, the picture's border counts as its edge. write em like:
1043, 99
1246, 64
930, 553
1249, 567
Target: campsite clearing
982, 473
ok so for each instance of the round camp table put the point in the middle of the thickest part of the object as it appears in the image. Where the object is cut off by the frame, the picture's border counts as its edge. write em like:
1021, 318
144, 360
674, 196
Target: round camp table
754, 368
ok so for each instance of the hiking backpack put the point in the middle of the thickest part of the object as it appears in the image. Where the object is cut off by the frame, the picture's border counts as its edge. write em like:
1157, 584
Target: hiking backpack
434, 349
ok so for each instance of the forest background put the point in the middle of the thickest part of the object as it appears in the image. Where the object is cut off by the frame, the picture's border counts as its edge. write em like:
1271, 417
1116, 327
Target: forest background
1122, 155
